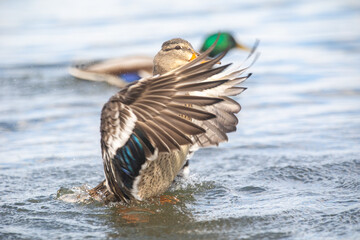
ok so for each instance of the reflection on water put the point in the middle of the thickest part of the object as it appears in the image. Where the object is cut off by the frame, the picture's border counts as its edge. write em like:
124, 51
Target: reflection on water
290, 171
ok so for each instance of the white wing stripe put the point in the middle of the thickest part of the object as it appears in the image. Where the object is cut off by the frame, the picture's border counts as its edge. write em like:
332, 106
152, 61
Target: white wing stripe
121, 136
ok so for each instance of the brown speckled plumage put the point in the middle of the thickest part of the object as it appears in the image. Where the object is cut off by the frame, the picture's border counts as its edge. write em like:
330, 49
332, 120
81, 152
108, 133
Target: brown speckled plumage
149, 127
159, 174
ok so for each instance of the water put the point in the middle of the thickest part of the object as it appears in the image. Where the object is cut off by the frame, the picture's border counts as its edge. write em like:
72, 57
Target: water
291, 171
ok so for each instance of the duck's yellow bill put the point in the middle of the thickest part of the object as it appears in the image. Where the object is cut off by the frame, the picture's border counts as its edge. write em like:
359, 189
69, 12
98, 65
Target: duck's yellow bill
195, 55
243, 47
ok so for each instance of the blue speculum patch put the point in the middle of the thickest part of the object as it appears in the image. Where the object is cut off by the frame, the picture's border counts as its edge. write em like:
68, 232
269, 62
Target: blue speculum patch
130, 76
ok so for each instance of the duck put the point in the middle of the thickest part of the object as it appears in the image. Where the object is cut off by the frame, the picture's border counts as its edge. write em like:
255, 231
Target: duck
121, 71
151, 127
226, 41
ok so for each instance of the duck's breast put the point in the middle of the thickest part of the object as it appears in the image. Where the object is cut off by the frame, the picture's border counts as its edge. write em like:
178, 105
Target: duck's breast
156, 176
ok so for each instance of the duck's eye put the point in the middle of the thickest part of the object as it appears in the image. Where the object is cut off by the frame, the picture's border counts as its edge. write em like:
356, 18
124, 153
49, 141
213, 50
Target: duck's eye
177, 47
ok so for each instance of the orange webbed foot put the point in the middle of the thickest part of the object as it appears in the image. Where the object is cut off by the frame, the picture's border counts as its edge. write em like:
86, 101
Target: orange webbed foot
168, 199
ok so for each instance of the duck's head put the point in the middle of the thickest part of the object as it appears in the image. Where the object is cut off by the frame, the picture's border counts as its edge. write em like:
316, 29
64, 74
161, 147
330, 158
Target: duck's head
173, 54
226, 41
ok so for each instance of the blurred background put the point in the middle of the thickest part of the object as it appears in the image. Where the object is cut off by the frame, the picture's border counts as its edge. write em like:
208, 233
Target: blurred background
291, 171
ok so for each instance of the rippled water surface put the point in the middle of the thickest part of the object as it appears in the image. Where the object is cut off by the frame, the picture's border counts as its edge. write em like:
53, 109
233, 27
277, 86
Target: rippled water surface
291, 171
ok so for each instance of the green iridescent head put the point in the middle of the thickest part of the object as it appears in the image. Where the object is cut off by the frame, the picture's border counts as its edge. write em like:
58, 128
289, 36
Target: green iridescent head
226, 40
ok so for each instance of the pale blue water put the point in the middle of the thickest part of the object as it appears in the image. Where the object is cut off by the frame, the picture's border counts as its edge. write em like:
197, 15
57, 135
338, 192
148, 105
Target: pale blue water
291, 171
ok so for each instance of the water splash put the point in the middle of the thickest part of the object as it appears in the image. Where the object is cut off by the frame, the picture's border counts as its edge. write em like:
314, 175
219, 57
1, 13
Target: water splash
75, 194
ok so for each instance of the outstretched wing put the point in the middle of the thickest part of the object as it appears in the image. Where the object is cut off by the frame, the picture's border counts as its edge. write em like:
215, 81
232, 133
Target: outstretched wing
187, 106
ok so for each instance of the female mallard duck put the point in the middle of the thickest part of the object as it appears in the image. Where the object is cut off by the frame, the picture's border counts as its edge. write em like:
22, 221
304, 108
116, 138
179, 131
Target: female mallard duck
150, 127
122, 71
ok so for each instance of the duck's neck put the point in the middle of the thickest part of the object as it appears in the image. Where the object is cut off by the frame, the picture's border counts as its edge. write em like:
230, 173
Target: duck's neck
164, 63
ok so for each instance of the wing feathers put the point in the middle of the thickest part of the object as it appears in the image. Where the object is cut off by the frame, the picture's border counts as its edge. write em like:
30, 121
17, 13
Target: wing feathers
185, 105
196, 100
178, 135
201, 86
156, 139
201, 76
170, 141
229, 105
186, 126
204, 66
155, 104
233, 91
141, 113
191, 112
160, 92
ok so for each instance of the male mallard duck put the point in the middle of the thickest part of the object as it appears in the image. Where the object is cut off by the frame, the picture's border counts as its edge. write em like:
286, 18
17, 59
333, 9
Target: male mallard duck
150, 127
122, 71
226, 41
